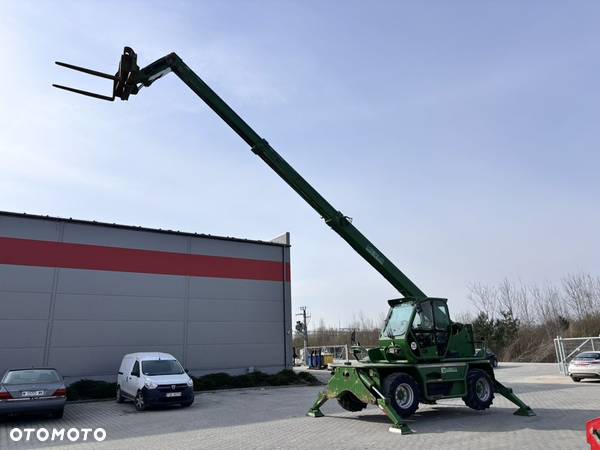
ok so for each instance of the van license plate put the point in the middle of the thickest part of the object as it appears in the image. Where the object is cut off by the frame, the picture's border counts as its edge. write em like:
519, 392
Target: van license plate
173, 394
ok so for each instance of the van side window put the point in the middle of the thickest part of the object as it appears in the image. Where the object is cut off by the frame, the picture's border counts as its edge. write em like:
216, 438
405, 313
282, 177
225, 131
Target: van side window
136, 369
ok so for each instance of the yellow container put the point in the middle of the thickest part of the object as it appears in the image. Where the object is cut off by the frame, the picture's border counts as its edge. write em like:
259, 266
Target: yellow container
328, 359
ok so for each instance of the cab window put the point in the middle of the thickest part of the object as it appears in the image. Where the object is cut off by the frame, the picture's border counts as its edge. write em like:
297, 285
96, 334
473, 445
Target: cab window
423, 320
442, 319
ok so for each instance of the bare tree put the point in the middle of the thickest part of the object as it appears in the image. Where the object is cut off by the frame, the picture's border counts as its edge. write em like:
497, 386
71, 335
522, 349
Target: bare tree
581, 294
463, 317
484, 298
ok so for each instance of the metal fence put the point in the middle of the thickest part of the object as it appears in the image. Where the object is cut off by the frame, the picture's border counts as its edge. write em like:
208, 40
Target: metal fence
569, 348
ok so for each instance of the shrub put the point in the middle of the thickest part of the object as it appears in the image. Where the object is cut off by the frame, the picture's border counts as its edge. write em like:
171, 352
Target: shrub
91, 389
254, 379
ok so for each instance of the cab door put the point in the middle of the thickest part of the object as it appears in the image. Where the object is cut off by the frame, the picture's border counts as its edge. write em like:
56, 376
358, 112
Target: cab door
442, 326
423, 332
431, 329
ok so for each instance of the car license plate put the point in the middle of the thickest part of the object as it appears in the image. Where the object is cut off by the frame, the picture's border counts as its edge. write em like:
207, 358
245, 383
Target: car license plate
32, 393
173, 394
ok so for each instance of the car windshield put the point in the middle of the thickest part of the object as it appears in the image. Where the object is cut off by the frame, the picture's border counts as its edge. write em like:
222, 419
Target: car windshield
588, 355
30, 376
161, 367
398, 320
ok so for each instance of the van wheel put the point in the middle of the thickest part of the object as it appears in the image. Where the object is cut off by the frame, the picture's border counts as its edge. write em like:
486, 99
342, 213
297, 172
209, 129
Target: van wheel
575, 379
403, 393
480, 391
349, 402
58, 413
187, 404
120, 398
140, 405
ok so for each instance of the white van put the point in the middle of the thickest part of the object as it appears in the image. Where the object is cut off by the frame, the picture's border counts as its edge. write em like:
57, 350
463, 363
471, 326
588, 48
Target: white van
153, 379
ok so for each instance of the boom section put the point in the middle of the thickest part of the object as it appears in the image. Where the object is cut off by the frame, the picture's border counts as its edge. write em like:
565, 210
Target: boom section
130, 79
334, 218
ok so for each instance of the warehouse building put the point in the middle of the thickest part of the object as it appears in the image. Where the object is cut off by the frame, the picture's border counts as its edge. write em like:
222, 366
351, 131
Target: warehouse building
78, 295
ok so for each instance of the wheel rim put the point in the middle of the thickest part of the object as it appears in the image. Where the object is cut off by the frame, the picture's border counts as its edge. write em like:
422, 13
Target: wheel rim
139, 401
404, 395
482, 389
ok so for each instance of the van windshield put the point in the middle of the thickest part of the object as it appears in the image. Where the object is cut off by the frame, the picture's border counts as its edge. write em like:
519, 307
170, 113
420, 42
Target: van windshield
162, 367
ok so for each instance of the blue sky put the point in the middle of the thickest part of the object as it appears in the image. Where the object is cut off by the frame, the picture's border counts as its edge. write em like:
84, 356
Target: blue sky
462, 137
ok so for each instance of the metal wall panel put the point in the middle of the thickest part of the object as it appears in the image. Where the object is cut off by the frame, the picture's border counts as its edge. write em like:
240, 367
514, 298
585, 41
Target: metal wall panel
25, 228
82, 321
20, 357
234, 333
217, 247
99, 362
102, 333
25, 279
24, 305
211, 310
117, 237
219, 288
117, 307
76, 281
22, 333
206, 357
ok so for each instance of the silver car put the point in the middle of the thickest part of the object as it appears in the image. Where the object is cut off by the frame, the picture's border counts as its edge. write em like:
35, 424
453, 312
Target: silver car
35, 390
585, 365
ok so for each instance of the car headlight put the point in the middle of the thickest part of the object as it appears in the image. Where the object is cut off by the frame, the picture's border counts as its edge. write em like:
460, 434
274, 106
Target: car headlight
150, 384
190, 382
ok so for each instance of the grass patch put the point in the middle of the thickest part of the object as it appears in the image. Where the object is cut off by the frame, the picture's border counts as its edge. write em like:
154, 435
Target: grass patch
93, 389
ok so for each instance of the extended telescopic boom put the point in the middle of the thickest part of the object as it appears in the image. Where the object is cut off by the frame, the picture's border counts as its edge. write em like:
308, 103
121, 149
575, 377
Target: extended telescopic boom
130, 79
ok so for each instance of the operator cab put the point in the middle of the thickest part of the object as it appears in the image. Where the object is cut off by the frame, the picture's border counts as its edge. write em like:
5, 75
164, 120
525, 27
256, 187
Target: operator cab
423, 323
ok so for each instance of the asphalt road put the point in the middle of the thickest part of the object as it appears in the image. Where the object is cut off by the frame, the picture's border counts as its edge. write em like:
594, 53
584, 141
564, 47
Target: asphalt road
274, 418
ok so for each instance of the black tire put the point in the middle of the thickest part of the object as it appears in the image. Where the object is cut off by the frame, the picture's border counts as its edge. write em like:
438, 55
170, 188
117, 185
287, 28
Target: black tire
575, 379
350, 402
187, 404
403, 393
480, 390
139, 402
120, 398
58, 413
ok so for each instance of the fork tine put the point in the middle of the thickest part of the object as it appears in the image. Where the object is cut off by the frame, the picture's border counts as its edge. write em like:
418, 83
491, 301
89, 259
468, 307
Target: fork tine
88, 71
89, 94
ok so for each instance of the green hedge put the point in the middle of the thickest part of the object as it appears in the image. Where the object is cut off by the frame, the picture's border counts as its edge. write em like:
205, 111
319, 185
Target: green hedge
254, 379
92, 389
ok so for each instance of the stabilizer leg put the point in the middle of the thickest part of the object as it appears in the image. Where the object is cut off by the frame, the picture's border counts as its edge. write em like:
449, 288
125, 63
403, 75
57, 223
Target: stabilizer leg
508, 393
315, 410
399, 426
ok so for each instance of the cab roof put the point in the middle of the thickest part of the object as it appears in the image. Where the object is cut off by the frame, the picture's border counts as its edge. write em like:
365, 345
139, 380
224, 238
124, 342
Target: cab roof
397, 301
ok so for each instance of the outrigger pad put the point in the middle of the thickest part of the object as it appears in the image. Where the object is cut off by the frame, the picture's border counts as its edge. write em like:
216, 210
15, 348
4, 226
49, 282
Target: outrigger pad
401, 429
315, 410
527, 412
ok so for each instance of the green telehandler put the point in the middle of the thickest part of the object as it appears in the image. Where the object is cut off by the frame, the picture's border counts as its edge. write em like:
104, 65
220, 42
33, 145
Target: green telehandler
422, 355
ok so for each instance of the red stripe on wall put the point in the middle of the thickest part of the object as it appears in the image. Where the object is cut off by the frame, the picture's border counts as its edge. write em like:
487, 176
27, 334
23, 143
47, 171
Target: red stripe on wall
27, 252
